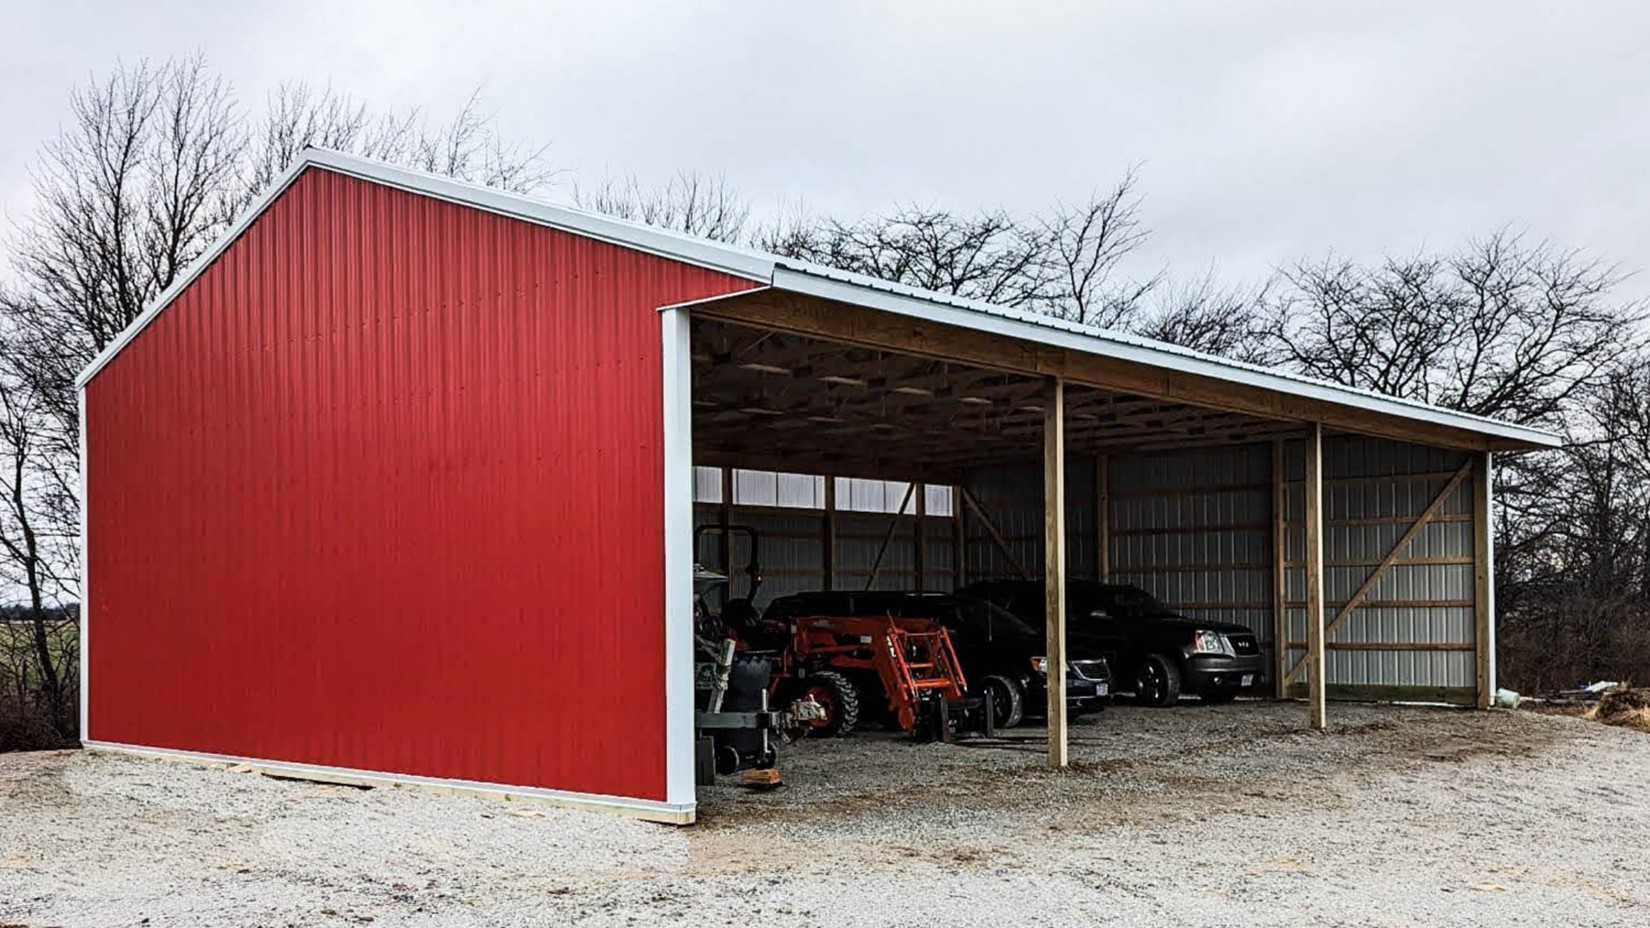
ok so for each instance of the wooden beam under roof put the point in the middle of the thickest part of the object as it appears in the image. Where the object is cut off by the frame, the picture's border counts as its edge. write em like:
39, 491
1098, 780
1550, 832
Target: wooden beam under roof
846, 322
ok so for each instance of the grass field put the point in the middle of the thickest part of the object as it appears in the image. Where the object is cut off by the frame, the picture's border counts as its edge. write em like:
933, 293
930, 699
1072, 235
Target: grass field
28, 720
17, 656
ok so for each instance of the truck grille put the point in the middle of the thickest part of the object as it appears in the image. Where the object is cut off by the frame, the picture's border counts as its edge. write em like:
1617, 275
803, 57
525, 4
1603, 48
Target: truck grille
1244, 644
1091, 670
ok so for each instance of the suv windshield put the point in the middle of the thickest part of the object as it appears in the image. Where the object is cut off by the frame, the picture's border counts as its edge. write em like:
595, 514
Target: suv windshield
1129, 602
989, 620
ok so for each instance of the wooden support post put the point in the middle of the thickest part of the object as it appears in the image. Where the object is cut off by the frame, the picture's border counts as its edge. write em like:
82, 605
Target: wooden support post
1280, 573
959, 541
828, 539
919, 558
893, 526
1054, 565
1315, 663
1102, 517
1483, 558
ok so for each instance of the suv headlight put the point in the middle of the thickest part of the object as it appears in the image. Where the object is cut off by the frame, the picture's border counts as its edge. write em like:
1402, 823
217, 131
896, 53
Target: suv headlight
1039, 664
1205, 642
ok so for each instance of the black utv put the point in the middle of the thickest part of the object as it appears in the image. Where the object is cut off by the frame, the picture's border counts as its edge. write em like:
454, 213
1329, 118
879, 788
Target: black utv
1153, 650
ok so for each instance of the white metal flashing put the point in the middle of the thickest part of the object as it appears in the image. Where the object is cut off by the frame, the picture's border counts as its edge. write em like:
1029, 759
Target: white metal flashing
651, 810
1486, 498
84, 666
678, 527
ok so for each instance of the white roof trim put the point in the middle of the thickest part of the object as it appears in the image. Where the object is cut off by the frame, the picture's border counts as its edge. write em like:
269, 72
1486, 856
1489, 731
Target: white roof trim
815, 280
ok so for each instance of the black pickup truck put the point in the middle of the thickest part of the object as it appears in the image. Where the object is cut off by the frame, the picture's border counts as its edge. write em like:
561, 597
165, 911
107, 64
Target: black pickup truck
1155, 652
999, 652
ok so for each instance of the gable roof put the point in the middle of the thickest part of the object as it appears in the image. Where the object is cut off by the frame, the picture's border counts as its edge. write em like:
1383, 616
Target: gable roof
801, 277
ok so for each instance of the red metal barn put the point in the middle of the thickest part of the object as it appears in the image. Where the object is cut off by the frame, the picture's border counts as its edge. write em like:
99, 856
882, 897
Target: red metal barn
382, 490
397, 484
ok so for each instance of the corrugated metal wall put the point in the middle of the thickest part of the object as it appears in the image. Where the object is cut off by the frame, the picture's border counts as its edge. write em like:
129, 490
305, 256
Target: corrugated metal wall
793, 550
1374, 490
1012, 499
383, 490
1196, 529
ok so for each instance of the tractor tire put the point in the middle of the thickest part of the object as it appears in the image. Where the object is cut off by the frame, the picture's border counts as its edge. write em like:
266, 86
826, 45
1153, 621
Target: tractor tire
839, 696
1158, 683
1008, 699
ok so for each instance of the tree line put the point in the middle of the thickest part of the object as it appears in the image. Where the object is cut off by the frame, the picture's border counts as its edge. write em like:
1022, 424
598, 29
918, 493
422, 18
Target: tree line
156, 159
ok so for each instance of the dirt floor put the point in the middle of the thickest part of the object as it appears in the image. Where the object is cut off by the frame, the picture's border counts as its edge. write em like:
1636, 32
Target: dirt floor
1193, 816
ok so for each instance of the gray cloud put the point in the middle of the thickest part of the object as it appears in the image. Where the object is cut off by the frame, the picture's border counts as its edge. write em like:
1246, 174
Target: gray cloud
1265, 130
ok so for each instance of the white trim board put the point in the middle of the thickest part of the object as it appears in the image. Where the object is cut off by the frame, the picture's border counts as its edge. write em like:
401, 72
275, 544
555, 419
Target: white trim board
668, 813
801, 277
677, 413
82, 663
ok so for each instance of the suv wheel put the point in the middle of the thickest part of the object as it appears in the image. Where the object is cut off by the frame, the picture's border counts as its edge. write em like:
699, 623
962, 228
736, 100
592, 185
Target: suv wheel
1158, 684
1008, 699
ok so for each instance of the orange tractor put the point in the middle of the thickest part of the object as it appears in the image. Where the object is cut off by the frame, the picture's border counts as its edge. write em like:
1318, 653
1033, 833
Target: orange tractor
838, 662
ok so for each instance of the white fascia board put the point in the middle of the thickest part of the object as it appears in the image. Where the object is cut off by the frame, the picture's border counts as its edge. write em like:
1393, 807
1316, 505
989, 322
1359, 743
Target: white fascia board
730, 259
998, 320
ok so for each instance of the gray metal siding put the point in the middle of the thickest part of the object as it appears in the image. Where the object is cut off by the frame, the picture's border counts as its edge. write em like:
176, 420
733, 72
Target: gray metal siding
1195, 528
793, 550
1012, 498
1428, 603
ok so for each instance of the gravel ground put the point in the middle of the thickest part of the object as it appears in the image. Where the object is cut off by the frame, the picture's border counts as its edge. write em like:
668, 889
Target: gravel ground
1196, 816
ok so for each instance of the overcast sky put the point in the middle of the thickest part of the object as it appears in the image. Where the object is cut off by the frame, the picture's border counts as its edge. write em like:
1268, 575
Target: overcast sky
1264, 130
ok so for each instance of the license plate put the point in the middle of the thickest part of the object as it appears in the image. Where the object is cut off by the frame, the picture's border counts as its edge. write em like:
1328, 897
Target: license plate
1248, 679
1102, 689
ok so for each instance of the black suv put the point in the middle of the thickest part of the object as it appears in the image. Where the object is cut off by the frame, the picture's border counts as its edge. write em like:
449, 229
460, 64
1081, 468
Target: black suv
1000, 653
1153, 650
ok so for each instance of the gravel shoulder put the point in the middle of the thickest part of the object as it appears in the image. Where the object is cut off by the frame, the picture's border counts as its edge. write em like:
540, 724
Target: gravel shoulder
1227, 815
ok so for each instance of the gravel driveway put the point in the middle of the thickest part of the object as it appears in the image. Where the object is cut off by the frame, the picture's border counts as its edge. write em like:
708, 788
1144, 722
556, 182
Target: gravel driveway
1194, 816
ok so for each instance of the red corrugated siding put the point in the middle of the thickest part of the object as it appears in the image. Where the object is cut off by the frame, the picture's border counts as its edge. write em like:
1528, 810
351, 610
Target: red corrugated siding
383, 490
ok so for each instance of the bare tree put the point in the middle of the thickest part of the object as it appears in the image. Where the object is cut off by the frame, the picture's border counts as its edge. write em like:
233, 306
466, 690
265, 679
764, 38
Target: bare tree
988, 256
132, 190
1204, 315
298, 116
1086, 245
1502, 328
1573, 544
1065, 263
698, 204
39, 515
